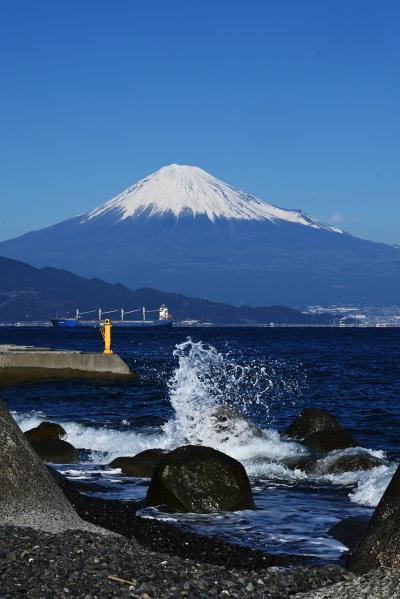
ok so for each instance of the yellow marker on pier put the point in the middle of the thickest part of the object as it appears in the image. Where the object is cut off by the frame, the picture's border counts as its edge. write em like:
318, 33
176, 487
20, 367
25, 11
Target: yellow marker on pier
106, 332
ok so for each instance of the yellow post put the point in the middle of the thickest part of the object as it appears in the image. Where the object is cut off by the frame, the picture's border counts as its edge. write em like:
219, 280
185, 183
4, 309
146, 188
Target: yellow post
106, 332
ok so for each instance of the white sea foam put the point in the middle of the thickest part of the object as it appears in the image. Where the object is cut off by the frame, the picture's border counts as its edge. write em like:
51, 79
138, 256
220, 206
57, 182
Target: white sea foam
372, 485
101, 440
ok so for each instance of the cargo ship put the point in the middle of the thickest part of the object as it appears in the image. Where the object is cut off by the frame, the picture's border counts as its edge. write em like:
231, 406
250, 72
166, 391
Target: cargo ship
79, 323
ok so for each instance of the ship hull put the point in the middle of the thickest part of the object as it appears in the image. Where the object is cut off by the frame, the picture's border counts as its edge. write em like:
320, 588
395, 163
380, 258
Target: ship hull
71, 324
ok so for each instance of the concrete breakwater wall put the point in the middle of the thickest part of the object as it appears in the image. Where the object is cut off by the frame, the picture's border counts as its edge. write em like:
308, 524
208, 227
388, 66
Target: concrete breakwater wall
24, 363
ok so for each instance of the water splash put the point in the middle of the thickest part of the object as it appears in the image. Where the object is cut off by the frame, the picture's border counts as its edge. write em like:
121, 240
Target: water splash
206, 378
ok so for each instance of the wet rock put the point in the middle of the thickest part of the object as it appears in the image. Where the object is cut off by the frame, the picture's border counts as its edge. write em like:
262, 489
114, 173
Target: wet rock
380, 546
201, 480
347, 463
56, 451
320, 430
142, 464
349, 531
45, 430
228, 421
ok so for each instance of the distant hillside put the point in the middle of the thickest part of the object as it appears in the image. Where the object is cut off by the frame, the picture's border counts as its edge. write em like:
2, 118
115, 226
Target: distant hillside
28, 293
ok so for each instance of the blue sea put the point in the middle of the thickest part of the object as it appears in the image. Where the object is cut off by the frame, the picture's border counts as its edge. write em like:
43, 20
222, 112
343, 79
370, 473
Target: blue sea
268, 374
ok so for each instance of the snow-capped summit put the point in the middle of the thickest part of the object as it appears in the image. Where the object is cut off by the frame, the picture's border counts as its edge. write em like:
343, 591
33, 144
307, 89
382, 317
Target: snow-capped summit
189, 190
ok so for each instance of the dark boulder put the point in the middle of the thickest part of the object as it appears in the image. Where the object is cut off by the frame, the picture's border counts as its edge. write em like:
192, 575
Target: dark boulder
230, 423
320, 430
56, 451
312, 420
349, 531
380, 546
142, 464
45, 430
201, 480
348, 463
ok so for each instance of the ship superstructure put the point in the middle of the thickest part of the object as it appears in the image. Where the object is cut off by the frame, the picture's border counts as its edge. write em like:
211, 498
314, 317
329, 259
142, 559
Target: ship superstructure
81, 322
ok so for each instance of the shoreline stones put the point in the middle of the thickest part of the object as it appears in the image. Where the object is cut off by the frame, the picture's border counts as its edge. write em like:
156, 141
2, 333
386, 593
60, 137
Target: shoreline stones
79, 565
47, 440
56, 451
199, 479
46, 430
142, 464
319, 430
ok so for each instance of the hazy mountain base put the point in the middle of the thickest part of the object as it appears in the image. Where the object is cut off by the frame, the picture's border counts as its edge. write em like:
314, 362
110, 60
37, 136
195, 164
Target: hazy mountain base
252, 262
28, 293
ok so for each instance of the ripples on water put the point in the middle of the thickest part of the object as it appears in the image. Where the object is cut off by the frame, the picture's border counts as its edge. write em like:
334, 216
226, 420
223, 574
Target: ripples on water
268, 374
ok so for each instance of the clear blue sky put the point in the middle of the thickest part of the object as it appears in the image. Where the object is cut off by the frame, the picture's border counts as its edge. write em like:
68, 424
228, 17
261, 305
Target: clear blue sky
296, 101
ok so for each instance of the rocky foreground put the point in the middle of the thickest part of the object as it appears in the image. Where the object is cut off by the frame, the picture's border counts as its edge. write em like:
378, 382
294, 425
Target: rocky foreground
56, 541
80, 564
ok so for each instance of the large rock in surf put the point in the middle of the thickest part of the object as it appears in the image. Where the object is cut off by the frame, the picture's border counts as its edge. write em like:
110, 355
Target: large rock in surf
380, 546
312, 420
232, 424
56, 451
45, 430
347, 463
201, 480
320, 430
335, 463
28, 494
142, 464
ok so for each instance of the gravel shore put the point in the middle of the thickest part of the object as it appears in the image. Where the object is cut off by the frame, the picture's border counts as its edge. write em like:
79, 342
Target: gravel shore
383, 583
79, 564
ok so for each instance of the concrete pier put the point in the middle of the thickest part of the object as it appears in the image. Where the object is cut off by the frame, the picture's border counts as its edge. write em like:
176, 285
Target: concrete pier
20, 364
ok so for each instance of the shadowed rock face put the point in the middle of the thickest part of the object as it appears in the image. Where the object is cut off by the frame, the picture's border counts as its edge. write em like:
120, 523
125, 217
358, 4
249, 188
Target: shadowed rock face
142, 464
201, 480
320, 430
349, 531
380, 546
28, 494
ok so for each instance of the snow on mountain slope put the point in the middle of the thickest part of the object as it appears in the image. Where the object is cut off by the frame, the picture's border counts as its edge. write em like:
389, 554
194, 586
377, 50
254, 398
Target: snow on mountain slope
182, 190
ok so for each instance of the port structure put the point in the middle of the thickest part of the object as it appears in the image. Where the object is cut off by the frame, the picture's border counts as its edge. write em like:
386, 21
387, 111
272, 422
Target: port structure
105, 329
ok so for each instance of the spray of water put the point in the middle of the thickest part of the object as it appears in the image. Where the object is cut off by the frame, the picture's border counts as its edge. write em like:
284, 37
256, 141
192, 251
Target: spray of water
206, 380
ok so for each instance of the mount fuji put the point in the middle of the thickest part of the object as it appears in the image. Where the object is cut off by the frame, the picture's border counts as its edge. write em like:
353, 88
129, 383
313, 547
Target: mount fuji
183, 230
